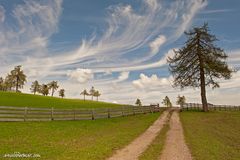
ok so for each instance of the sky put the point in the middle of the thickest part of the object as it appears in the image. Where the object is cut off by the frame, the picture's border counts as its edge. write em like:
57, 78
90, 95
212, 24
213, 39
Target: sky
118, 46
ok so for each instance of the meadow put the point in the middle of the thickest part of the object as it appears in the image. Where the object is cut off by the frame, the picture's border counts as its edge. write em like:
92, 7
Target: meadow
212, 135
79, 140
29, 100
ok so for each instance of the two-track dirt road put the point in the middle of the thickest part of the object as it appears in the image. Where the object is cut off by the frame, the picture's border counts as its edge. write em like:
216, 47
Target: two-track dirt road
174, 149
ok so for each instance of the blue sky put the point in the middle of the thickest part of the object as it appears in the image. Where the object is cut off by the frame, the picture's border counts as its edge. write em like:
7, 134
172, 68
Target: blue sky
118, 46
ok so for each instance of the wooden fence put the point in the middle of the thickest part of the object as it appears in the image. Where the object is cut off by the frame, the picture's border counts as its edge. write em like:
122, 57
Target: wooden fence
211, 107
50, 114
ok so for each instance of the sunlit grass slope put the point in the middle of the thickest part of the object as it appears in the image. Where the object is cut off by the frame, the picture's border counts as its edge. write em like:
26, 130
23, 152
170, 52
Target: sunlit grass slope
213, 135
29, 100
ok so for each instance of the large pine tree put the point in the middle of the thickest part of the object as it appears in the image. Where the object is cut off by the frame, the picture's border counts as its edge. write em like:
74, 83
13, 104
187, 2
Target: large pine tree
199, 63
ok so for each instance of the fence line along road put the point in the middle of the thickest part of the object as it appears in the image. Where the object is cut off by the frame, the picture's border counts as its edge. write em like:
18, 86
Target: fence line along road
211, 107
50, 114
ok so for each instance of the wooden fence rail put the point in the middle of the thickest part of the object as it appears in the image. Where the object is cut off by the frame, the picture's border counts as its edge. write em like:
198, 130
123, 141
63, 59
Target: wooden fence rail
211, 107
50, 114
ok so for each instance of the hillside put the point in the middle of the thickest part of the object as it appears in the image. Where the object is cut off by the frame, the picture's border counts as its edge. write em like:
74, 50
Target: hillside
29, 100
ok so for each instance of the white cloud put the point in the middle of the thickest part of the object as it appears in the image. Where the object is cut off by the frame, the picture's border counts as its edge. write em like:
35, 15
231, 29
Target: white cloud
81, 75
35, 22
194, 7
123, 76
146, 82
2, 14
156, 44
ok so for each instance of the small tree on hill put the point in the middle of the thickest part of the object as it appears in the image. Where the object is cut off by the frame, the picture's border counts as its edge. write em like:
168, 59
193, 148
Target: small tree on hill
166, 101
53, 86
84, 93
138, 102
35, 87
17, 77
91, 92
96, 94
181, 100
1, 84
62, 93
44, 89
199, 63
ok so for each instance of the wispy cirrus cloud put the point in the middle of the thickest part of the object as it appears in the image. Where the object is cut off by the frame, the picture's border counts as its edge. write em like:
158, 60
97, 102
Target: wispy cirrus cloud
129, 30
2, 14
34, 23
132, 38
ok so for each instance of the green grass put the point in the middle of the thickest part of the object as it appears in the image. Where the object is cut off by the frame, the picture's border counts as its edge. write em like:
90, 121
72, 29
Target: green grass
213, 135
29, 100
155, 148
63, 140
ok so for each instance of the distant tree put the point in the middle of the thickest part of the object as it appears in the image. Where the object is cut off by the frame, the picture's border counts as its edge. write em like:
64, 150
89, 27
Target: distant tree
91, 92
1, 84
199, 63
138, 102
181, 100
44, 89
35, 87
17, 77
62, 93
96, 94
166, 101
53, 86
9, 83
84, 93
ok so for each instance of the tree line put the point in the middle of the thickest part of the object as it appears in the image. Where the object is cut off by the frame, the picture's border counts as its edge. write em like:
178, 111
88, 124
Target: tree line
15, 80
181, 100
92, 92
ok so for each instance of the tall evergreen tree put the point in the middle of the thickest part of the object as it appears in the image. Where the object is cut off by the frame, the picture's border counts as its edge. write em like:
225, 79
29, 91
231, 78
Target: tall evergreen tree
53, 86
35, 87
166, 101
199, 63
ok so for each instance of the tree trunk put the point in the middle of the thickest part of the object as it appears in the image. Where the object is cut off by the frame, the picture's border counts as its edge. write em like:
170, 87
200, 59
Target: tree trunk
52, 92
97, 98
17, 85
84, 97
203, 91
92, 98
202, 78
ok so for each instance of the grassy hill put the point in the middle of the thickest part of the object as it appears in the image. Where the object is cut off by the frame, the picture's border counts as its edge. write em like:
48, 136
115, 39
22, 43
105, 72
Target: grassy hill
29, 100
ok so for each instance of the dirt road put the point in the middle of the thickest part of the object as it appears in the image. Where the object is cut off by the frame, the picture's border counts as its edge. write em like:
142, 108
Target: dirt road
140, 144
175, 147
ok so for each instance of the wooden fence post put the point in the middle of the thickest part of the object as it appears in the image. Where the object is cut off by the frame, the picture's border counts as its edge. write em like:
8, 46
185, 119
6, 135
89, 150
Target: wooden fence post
52, 114
109, 113
93, 114
123, 111
25, 113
